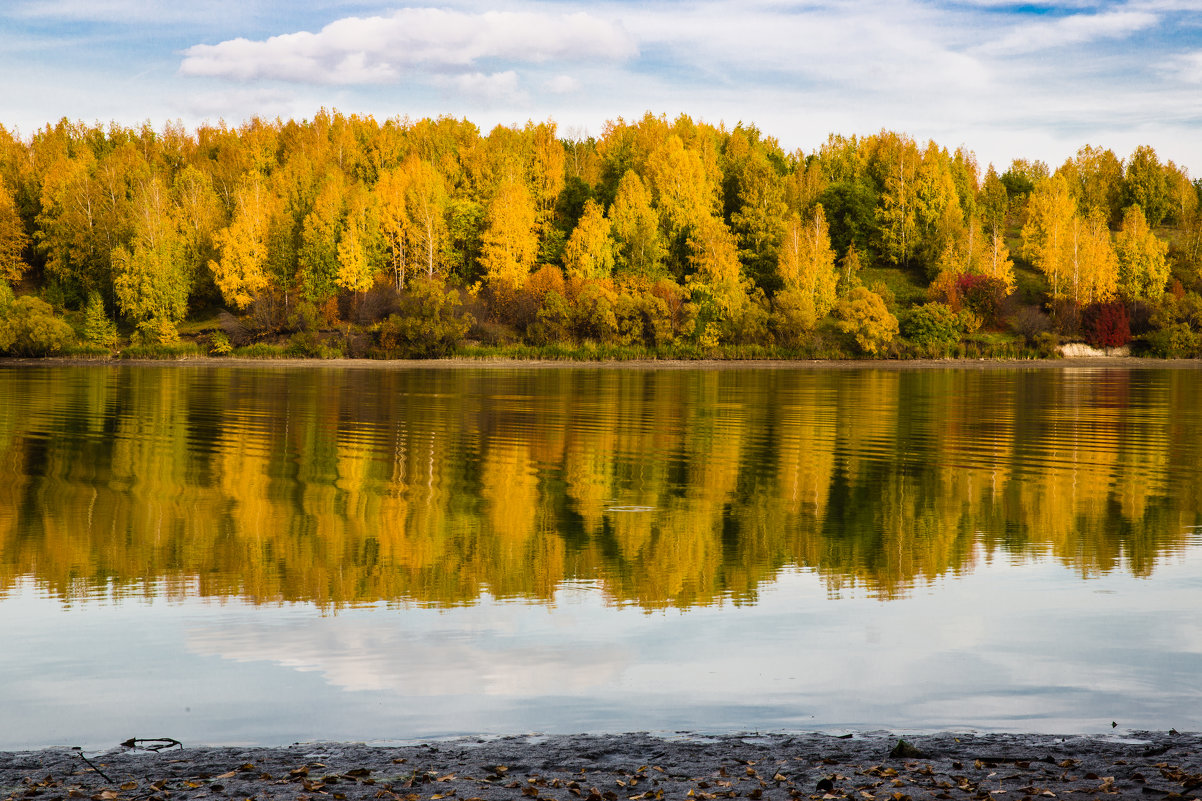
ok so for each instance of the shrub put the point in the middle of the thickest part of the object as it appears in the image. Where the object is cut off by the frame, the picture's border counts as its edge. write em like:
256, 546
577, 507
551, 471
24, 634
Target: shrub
312, 345
219, 344
554, 320
1175, 341
98, 329
594, 314
934, 326
983, 295
863, 314
1105, 325
429, 324
1066, 317
1030, 322
29, 328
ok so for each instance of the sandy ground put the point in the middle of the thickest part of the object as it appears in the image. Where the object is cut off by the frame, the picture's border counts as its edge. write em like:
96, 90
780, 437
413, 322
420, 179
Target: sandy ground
1106, 362
632, 767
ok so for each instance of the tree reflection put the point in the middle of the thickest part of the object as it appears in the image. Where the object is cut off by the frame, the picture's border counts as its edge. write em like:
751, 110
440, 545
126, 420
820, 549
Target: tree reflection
667, 488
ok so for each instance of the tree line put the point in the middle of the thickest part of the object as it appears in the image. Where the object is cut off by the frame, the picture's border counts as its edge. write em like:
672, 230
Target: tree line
411, 236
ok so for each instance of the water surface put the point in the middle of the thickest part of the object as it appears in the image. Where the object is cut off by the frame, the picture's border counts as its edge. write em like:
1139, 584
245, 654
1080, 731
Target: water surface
267, 554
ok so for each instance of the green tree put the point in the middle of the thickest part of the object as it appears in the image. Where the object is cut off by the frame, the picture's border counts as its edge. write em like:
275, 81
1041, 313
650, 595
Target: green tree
150, 276
98, 329
1146, 185
993, 201
320, 234
1143, 268
13, 239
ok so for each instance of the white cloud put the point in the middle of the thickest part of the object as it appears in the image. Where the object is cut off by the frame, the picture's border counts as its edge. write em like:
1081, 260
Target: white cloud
1185, 67
1072, 30
366, 50
562, 85
495, 89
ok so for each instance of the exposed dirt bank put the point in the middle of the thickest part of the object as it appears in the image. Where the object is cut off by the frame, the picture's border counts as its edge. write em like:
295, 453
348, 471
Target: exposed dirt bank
633, 766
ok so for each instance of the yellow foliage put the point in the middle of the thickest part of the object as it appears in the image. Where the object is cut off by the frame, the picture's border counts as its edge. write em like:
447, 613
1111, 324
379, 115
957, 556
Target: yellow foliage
510, 244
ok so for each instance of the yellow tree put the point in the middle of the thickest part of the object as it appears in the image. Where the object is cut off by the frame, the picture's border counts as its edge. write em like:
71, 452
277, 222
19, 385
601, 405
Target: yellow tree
509, 245
1143, 269
681, 187
548, 170
390, 192
976, 251
1095, 178
717, 273
357, 253
241, 270
69, 226
1095, 267
13, 239
1048, 235
590, 250
995, 260
806, 264
426, 207
938, 214
635, 229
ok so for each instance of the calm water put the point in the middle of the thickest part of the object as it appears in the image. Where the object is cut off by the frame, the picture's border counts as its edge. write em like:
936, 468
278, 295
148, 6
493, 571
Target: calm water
227, 555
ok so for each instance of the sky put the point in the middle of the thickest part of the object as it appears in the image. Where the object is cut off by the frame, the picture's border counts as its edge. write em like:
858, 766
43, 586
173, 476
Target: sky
1005, 80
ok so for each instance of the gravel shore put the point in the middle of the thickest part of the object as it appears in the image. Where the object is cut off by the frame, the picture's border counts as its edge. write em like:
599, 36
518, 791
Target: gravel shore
630, 767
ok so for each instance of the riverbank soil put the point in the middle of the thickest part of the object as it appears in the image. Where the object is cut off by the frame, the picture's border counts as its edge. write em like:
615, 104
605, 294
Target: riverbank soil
632, 767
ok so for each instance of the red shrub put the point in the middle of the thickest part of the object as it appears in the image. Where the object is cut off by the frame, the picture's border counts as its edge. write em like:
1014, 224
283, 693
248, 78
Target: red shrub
1106, 325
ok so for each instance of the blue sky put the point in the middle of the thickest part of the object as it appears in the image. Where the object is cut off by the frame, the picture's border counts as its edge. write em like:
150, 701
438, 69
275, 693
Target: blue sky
1006, 80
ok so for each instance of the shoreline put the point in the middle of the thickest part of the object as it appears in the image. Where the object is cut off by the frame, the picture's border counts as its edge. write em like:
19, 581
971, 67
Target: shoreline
626, 767
1080, 362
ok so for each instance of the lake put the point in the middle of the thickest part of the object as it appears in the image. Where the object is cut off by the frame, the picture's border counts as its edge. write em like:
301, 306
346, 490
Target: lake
264, 555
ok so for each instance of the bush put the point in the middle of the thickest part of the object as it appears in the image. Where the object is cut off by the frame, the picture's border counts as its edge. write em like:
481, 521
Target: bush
1030, 322
984, 296
219, 344
29, 328
863, 314
98, 329
554, 320
1175, 341
1105, 325
429, 324
1066, 317
935, 326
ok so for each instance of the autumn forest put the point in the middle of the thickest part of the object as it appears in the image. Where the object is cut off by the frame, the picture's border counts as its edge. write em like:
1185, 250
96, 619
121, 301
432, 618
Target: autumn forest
345, 236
